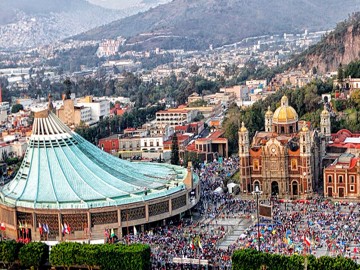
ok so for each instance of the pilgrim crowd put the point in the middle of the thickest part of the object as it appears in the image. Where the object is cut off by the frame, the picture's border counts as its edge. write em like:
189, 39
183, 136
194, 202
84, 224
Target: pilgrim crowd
304, 226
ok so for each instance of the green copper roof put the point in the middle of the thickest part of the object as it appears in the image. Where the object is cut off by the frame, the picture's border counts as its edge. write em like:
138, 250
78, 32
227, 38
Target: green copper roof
62, 170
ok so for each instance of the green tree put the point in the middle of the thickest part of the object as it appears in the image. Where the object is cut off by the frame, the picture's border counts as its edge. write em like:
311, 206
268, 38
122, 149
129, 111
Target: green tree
175, 150
34, 254
340, 76
16, 108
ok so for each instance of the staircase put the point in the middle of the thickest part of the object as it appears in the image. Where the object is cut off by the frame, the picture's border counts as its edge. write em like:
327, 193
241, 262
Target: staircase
234, 234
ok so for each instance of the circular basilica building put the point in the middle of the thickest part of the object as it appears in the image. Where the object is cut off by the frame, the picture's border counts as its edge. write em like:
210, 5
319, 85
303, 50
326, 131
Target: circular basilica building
67, 187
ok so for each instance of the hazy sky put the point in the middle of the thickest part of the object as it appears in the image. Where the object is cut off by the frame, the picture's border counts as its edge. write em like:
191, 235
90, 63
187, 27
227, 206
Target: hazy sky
115, 4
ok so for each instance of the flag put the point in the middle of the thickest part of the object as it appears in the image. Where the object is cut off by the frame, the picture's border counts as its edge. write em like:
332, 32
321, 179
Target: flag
199, 243
112, 233
26, 228
2, 226
62, 229
46, 228
192, 246
40, 229
20, 225
106, 233
135, 231
307, 241
66, 228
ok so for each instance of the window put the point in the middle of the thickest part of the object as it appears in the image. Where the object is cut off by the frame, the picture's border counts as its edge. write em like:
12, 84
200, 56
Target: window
352, 179
330, 178
256, 165
151, 143
157, 143
352, 188
145, 144
340, 179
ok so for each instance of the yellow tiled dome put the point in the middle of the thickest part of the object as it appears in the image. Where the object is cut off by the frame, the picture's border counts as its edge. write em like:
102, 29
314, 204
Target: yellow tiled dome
269, 112
305, 128
325, 112
285, 113
243, 128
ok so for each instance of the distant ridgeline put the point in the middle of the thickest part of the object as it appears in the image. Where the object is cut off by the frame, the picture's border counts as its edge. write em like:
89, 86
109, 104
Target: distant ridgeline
187, 24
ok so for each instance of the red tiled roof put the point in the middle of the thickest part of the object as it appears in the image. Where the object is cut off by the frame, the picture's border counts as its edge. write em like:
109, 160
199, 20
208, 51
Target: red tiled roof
353, 162
182, 127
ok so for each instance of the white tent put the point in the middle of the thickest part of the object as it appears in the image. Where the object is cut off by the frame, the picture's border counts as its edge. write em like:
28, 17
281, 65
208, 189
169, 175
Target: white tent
231, 186
219, 190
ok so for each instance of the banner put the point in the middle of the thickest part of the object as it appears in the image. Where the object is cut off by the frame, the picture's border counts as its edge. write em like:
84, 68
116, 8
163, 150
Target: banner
265, 210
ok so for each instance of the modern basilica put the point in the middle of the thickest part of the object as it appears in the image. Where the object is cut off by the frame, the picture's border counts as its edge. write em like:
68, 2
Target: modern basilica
285, 159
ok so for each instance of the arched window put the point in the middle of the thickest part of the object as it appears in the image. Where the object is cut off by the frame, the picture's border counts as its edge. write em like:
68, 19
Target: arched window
340, 179
352, 179
330, 179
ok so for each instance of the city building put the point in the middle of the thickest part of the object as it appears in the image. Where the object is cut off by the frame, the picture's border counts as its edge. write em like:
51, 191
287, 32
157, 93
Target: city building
110, 144
100, 108
342, 165
87, 111
286, 159
109, 47
342, 177
74, 115
64, 179
175, 117
213, 146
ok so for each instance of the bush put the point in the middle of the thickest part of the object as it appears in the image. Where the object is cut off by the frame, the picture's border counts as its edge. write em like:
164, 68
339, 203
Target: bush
34, 254
133, 257
251, 259
65, 254
107, 256
9, 252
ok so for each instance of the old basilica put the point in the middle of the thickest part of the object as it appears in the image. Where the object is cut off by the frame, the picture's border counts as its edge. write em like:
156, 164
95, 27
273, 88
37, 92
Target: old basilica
285, 159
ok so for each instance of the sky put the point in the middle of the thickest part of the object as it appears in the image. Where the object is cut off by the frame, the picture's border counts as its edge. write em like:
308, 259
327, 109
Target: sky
115, 4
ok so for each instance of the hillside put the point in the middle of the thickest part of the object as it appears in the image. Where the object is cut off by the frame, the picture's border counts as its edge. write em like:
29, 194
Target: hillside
25, 23
196, 24
342, 45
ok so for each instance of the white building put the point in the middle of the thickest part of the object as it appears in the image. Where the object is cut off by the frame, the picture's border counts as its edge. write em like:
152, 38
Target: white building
174, 117
100, 108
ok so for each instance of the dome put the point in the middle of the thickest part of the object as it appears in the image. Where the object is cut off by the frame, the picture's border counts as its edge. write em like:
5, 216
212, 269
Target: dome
305, 128
269, 112
243, 128
325, 112
61, 170
285, 113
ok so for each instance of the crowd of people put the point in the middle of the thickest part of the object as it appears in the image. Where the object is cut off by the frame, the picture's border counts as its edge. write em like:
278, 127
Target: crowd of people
305, 226
196, 239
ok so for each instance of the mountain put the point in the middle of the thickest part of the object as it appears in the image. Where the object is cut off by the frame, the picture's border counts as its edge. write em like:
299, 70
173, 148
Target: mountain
25, 23
196, 24
341, 46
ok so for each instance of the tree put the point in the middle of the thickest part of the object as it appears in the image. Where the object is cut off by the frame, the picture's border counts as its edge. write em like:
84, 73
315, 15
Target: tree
16, 108
175, 150
340, 76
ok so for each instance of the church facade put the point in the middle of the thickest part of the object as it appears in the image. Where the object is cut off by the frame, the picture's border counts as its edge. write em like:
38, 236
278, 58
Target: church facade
285, 159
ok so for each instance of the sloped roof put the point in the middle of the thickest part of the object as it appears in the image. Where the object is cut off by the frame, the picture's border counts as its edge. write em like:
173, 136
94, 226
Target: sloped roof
62, 170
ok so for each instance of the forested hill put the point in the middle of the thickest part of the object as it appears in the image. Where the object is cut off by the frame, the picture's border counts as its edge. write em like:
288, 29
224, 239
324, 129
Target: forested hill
196, 24
340, 46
